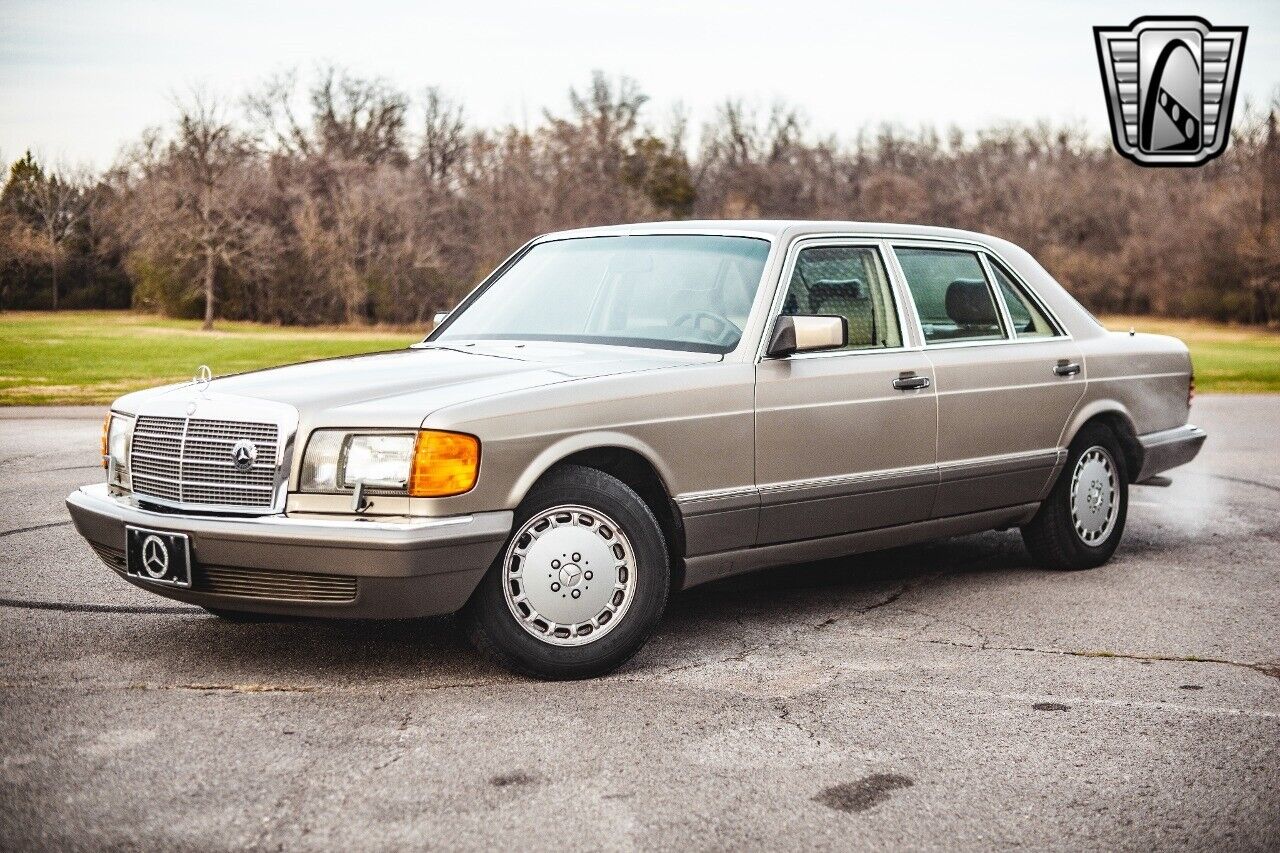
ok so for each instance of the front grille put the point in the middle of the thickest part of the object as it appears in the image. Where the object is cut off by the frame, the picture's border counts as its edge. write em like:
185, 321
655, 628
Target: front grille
113, 557
188, 461
254, 583
283, 586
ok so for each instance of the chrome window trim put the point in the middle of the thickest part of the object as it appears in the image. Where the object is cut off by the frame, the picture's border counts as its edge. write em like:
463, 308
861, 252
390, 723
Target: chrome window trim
913, 331
981, 249
1001, 305
1059, 330
975, 249
772, 239
798, 245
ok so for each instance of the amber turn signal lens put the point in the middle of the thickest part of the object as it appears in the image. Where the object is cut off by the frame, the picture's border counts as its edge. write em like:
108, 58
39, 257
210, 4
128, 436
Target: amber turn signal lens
444, 464
106, 430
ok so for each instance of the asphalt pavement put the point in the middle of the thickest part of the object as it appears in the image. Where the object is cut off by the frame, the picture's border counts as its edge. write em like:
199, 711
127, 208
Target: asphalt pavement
944, 696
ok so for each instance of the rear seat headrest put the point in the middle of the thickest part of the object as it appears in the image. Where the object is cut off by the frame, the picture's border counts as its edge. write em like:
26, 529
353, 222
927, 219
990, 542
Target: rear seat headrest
969, 302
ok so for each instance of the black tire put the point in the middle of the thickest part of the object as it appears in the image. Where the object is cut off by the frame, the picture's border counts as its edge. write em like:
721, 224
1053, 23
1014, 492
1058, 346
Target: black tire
1052, 536
494, 629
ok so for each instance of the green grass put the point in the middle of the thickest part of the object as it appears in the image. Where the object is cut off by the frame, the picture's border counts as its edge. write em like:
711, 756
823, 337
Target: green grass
92, 357
1226, 358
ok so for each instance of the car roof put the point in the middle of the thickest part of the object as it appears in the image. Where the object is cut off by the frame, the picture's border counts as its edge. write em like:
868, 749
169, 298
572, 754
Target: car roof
771, 228
1069, 312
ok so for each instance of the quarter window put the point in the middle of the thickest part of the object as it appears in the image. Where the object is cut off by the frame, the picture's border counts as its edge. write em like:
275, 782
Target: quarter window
1028, 320
849, 281
951, 295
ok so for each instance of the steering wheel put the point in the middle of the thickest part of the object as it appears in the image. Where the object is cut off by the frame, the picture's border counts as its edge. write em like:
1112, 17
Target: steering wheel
724, 328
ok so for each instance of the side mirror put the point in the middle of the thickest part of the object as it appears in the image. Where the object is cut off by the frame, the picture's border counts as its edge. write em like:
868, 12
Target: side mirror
807, 333
440, 317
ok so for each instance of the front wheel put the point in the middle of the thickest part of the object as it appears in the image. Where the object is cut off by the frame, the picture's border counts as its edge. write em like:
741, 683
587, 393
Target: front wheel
1080, 524
580, 584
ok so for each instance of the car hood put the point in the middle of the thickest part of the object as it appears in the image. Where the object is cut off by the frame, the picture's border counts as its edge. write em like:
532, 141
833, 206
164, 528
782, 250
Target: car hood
399, 389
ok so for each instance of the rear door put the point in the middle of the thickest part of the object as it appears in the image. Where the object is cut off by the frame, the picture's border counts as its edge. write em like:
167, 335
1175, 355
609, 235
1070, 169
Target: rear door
845, 440
1007, 376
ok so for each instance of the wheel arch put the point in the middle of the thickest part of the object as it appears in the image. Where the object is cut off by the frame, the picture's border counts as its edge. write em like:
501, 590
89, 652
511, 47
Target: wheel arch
1116, 418
631, 461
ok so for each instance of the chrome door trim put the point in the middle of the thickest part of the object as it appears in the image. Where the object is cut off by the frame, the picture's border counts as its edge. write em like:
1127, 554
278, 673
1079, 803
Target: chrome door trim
718, 500
1004, 463
798, 491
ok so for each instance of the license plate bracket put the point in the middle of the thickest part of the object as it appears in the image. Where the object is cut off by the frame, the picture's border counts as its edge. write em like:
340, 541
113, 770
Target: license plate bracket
158, 556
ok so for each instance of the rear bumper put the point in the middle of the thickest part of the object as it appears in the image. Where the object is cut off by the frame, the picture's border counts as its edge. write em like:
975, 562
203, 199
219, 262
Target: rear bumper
1168, 449
305, 567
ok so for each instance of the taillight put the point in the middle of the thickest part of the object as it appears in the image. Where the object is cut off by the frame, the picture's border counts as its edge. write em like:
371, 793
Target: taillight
1191, 388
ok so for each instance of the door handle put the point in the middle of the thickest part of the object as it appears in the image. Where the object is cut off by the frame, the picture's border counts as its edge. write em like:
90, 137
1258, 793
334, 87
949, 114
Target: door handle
1066, 368
910, 382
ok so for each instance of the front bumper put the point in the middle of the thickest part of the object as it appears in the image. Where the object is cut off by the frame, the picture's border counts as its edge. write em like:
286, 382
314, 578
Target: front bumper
1168, 449
307, 567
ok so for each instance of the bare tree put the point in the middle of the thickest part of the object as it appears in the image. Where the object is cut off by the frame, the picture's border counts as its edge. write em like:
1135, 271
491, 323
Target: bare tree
192, 201
58, 202
336, 205
444, 136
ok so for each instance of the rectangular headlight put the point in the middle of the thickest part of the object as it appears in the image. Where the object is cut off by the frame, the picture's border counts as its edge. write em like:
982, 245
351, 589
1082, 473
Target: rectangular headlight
117, 434
336, 460
381, 461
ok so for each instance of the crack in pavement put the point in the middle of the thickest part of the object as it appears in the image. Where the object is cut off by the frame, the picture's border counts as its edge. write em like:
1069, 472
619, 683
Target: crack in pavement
1268, 668
749, 649
1029, 698
784, 714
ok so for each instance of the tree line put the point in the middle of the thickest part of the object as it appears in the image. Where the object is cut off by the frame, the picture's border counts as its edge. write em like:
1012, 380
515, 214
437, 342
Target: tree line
349, 201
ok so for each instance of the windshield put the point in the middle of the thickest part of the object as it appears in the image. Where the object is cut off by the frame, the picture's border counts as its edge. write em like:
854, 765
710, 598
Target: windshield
684, 292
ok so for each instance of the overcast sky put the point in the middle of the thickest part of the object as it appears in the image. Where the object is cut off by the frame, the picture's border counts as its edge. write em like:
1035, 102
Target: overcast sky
80, 79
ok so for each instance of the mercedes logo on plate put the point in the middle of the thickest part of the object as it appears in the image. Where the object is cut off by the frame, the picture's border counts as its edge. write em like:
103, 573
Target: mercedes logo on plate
243, 454
155, 557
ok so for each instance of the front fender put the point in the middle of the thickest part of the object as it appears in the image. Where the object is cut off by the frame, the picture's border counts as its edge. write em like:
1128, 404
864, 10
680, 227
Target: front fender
596, 440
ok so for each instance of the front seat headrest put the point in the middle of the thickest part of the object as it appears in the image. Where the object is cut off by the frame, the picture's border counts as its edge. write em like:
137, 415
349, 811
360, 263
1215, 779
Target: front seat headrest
969, 303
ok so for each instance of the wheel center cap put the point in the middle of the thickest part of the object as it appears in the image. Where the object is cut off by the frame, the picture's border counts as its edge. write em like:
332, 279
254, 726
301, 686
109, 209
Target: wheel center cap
570, 575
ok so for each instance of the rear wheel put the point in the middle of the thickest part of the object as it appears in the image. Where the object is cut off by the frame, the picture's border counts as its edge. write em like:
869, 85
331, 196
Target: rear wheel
1080, 524
580, 584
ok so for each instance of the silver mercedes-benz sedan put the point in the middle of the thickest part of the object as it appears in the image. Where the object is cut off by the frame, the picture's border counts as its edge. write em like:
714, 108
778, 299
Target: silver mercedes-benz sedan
617, 413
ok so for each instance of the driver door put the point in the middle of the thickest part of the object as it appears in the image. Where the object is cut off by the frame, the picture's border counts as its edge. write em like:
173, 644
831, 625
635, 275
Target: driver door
846, 440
